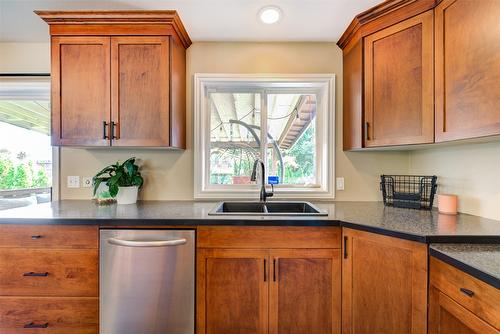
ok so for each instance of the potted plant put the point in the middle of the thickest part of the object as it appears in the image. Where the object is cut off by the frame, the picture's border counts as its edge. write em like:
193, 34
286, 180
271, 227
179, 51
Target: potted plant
123, 181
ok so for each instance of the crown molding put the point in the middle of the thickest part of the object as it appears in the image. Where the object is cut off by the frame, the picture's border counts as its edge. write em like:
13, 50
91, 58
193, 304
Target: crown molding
402, 8
131, 17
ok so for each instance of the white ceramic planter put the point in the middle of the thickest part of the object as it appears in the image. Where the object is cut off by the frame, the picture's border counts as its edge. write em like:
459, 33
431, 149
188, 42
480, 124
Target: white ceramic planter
127, 195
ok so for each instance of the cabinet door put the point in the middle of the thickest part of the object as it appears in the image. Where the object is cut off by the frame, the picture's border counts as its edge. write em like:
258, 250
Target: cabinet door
384, 284
140, 88
80, 91
304, 291
448, 317
467, 74
232, 291
399, 99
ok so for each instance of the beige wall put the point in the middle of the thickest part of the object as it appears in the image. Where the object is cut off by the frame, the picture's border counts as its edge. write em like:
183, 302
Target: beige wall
169, 174
24, 57
469, 170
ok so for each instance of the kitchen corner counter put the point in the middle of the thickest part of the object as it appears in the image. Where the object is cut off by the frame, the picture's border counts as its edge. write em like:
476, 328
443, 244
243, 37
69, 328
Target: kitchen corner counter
478, 260
422, 226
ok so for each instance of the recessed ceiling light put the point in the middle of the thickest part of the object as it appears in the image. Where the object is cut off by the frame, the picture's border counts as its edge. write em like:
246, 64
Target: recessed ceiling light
270, 14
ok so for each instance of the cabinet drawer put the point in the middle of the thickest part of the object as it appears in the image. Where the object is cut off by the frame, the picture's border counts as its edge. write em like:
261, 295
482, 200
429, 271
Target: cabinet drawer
48, 236
54, 315
48, 272
485, 300
268, 237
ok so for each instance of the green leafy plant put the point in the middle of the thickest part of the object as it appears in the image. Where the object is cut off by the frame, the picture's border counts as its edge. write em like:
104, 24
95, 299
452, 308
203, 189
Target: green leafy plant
118, 175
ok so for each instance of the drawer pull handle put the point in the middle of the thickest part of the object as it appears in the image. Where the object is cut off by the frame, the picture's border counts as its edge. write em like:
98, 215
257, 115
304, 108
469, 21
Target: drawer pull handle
467, 292
34, 325
33, 274
35, 237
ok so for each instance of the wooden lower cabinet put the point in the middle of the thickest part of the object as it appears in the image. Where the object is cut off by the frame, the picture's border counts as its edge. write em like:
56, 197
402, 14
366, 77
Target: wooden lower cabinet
304, 291
49, 279
54, 315
384, 284
268, 291
446, 316
247, 282
460, 303
232, 291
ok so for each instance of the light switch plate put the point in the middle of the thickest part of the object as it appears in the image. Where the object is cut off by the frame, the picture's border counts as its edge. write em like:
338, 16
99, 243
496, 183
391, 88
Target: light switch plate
86, 181
340, 183
73, 182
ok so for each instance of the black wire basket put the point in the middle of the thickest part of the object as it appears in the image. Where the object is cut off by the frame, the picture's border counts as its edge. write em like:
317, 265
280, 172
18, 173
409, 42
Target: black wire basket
408, 191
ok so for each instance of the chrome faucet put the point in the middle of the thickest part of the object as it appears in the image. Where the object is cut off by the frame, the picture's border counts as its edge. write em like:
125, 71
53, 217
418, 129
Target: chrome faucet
263, 193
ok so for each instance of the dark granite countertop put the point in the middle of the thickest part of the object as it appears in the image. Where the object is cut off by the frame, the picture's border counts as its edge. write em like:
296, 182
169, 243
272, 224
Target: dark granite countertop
422, 226
479, 260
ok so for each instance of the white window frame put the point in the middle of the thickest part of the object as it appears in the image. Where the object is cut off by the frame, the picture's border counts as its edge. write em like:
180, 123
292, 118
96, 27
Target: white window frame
36, 87
323, 85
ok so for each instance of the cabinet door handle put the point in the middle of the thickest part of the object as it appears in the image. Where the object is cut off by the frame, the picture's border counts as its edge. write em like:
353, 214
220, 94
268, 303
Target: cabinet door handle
265, 270
115, 131
33, 274
274, 270
367, 134
35, 325
104, 132
345, 247
36, 237
467, 292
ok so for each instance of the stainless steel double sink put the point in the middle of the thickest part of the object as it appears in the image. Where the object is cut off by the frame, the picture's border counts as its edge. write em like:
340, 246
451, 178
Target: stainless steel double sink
274, 208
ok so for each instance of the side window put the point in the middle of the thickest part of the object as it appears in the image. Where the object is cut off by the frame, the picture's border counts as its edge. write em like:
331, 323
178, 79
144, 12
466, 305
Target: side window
26, 155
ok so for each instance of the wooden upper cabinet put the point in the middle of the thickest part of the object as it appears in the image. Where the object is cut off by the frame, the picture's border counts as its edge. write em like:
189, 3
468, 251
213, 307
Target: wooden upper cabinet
353, 97
418, 72
118, 77
140, 91
384, 284
467, 39
80, 90
398, 64
304, 291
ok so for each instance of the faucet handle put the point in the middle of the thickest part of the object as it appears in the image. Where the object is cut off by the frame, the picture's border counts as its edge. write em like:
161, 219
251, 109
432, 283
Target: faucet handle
270, 194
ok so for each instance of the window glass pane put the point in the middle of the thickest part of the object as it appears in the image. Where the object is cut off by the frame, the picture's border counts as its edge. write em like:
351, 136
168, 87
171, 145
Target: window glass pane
234, 136
25, 153
291, 154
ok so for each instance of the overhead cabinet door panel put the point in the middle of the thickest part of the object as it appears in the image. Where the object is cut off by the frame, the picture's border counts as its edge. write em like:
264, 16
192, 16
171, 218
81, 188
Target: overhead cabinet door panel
467, 38
80, 91
140, 91
399, 100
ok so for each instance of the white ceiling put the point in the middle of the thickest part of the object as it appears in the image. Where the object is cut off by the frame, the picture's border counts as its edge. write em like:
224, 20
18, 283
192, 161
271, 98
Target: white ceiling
205, 20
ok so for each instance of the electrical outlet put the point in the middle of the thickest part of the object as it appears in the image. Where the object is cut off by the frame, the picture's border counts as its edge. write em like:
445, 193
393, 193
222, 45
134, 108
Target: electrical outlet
86, 181
73, 182
340, 183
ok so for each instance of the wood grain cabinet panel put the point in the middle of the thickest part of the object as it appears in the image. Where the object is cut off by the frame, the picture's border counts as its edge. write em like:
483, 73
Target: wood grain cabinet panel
118, 78
384, 284
19, 315
304, 291
467, 76
39, 272
399, 103
481, 299
49, 236
248, 283
80, 90
446, 316
232, 291
140, 90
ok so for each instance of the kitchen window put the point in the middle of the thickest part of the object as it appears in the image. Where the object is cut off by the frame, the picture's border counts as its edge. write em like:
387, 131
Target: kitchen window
286, 121
28, 163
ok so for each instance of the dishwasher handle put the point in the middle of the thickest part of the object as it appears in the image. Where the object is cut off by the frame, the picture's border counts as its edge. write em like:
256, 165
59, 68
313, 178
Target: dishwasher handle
148, 243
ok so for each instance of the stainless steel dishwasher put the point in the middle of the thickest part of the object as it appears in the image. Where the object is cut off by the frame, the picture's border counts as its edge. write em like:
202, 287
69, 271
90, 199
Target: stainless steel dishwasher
147, 281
